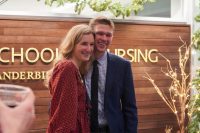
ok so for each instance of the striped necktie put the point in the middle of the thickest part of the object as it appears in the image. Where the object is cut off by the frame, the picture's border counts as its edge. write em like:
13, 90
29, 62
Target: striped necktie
94, 97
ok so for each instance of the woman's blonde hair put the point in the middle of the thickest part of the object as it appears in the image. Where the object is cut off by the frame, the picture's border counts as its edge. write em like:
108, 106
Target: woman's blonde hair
67, 46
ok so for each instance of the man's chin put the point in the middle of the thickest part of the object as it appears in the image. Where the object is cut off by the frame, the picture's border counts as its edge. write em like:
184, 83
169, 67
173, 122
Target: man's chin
101, 50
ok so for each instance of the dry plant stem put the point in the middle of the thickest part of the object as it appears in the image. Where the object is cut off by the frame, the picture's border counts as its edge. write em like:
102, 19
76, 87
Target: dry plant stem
168, 129
178, 90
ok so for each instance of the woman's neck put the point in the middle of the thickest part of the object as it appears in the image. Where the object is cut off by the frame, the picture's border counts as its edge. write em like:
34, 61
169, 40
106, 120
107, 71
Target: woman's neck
76, 63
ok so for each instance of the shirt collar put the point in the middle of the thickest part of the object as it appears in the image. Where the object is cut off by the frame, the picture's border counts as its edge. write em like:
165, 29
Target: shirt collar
103, 58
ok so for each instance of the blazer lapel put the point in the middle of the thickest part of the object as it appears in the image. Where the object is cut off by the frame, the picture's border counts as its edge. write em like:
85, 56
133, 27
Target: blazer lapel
109, 77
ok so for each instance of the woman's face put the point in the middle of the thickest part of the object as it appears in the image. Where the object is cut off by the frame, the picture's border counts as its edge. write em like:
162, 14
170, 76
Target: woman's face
84, 49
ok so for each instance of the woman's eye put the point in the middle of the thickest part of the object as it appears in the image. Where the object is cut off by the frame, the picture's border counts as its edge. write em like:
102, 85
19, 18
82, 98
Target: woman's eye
84, 43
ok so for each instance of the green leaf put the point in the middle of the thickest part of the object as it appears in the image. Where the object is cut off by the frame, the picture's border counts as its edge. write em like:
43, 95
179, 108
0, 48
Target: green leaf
116, 8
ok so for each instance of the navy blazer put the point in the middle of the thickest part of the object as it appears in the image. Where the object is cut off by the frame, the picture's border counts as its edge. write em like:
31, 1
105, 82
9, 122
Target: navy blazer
119, 100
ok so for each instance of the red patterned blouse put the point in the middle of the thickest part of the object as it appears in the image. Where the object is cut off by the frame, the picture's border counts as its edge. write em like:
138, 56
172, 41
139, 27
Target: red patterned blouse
68, 112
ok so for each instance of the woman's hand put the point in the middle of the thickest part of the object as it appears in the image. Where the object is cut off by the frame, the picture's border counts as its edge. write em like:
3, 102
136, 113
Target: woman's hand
19, 118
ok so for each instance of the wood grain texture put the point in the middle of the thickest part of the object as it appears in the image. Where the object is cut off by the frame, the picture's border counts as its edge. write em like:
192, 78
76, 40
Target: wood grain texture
153, 113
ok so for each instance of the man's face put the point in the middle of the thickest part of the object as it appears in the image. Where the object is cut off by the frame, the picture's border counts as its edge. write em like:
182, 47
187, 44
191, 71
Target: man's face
103, 37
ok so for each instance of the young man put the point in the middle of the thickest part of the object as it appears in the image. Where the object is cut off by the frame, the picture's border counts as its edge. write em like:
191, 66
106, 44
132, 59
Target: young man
113, 98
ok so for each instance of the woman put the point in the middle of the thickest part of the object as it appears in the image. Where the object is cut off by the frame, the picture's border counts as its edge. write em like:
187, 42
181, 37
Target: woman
68, 111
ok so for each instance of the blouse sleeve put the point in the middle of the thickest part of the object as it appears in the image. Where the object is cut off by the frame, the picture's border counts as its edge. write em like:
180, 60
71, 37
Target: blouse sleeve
64, 104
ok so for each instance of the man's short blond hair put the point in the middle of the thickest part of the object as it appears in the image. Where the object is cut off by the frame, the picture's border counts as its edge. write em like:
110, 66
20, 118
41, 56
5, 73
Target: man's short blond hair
101, 20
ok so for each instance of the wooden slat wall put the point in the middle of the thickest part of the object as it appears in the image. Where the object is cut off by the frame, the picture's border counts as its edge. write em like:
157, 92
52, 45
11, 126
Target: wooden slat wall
154, 115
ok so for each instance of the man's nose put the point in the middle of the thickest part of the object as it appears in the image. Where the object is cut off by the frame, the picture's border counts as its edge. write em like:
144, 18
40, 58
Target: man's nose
104, 37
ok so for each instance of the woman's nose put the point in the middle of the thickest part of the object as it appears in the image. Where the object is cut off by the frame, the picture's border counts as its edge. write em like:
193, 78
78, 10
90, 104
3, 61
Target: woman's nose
89, 48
